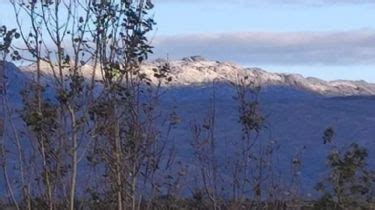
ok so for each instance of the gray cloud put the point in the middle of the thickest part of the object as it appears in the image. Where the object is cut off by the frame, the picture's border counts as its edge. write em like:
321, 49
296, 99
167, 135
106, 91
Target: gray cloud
287, 48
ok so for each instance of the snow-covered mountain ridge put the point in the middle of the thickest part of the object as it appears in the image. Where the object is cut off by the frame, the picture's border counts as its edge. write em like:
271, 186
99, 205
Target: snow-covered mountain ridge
196, 70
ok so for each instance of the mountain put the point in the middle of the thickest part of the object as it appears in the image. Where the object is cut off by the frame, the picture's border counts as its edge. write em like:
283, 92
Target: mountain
297, 110
195, 70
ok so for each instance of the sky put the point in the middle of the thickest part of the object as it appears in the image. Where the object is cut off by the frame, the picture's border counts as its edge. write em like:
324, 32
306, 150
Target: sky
329, 39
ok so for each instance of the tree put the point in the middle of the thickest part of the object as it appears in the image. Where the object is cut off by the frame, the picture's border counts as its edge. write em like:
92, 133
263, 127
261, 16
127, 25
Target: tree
6, 51
350, 184
111, 103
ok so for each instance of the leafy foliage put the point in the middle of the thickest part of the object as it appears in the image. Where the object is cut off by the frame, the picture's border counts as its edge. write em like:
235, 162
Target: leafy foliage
350, 184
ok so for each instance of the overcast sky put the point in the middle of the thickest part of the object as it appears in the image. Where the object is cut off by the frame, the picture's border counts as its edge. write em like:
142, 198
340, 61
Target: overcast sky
330, 39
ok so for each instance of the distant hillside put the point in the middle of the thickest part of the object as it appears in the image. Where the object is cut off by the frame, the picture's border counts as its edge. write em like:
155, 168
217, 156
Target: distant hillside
297, 110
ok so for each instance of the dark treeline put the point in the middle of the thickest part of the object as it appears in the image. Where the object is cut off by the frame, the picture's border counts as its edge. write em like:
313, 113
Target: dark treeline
92, 138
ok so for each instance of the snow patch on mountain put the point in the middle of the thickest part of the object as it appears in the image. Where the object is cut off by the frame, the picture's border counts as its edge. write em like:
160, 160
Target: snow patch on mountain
197, 70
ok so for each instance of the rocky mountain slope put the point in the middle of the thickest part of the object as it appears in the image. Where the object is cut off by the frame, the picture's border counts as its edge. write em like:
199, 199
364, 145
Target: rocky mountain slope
197, 71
